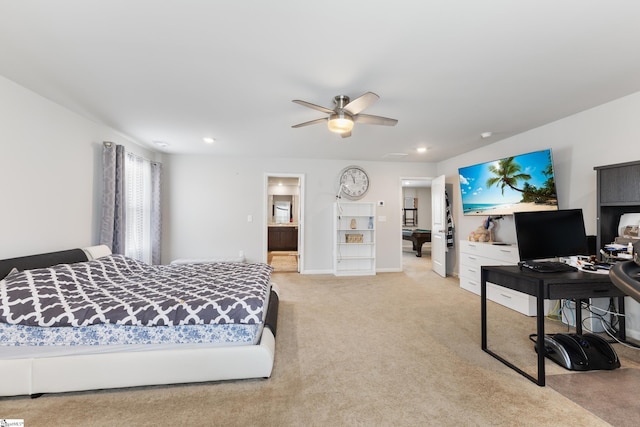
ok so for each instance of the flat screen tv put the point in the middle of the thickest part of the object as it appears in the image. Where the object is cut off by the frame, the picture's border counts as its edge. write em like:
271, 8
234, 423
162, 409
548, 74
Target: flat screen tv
550, 234
520, 183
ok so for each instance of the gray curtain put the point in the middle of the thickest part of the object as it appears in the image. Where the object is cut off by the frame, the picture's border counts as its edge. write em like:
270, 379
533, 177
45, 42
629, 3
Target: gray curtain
156, 214
112, 227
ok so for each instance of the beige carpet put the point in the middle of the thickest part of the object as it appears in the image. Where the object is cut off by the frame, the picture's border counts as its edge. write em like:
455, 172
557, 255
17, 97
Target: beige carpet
395, 349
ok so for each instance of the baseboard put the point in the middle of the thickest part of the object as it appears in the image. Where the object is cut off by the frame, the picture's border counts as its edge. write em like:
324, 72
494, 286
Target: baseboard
388, 270
316, 272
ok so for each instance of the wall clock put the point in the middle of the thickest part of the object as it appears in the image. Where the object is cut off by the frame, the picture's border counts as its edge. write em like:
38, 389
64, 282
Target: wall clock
354, 182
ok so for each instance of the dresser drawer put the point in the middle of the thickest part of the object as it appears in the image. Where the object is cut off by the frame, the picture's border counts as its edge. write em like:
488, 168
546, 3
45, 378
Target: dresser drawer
474, 255
471, 265
522, 303
470, 284
514, 300
509, 298
508, 254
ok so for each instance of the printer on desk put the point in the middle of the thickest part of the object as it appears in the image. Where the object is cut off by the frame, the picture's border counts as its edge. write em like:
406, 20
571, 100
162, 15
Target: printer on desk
621, 249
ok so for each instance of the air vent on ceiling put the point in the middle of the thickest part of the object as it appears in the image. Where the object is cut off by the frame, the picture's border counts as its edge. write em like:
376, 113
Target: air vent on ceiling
394, 155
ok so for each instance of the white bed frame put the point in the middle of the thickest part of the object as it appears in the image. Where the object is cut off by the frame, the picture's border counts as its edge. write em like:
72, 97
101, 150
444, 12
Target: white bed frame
34, 376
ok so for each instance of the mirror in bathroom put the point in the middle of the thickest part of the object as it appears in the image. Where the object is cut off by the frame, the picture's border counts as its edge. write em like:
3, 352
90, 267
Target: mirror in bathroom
282, 210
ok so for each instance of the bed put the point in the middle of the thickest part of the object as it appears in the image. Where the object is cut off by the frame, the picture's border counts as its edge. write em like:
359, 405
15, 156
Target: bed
85, 349
418, 237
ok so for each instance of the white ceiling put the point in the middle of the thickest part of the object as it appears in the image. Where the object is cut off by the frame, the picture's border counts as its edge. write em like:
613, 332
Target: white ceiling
177, 71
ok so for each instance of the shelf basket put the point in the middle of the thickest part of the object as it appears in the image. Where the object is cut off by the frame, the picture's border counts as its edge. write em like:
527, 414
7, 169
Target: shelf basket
354, 238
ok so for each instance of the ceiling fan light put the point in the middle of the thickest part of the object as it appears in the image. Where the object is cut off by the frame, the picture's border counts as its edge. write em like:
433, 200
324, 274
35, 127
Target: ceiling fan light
340, 123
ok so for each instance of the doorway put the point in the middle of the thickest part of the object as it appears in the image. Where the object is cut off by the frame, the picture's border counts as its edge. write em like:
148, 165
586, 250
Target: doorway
284, 205
416, 219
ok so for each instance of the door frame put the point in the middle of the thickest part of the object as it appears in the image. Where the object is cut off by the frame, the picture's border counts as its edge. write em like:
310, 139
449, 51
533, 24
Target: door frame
401, 196
265, 214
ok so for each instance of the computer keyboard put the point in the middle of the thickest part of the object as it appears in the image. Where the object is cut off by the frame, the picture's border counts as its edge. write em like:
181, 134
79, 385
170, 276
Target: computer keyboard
546, 266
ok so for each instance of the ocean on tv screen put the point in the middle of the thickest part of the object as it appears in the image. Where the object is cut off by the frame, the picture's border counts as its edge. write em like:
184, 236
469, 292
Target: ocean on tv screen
505, 209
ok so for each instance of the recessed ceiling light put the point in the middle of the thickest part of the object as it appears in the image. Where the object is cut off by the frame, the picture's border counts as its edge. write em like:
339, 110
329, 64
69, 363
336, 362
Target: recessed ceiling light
209, 140
486, 135
161, 144
422, 149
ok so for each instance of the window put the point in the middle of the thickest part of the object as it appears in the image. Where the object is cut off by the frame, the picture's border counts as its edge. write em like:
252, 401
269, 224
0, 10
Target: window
131, 221
138, 208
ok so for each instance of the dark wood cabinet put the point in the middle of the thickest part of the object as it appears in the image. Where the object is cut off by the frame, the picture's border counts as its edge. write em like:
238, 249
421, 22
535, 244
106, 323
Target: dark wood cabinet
618, 193
283, 238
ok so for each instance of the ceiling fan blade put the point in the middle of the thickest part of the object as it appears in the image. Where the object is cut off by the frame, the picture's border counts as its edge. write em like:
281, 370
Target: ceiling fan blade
312, 122
345, 135
368, 119
361, 102
313, 106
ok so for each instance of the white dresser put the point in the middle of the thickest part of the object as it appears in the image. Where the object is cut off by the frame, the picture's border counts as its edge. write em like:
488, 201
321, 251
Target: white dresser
474, 255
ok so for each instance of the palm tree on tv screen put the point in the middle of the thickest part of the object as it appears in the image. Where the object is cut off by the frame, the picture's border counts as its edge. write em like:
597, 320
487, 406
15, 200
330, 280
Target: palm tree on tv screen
508, 174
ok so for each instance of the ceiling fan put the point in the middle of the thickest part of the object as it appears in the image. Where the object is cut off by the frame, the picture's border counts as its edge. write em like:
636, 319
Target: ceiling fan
345, 113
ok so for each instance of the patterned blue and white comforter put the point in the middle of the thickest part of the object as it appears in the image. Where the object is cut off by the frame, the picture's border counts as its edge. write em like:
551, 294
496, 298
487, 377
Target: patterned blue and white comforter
122, 291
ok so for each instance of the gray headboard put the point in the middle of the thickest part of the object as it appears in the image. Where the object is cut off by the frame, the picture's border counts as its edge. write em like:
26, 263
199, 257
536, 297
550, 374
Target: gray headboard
41, 260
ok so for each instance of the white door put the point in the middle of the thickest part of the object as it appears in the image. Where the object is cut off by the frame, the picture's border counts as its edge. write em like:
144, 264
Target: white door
438, 227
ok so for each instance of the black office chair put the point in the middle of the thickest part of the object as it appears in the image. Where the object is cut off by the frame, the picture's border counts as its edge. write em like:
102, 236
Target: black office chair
626, 275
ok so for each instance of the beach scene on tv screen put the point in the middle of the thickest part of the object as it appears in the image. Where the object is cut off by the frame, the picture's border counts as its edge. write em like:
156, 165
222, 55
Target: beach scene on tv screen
514, 184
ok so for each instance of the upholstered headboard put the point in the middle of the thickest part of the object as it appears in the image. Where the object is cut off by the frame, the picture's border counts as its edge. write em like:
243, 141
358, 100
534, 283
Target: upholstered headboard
49, 259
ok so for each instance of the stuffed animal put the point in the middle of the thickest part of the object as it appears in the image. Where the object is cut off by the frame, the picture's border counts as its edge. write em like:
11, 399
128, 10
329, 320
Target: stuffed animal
481, 234
484, 233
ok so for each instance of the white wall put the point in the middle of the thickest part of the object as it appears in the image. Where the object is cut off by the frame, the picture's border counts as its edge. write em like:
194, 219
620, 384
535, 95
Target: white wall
607, 134
50, 175
209, 199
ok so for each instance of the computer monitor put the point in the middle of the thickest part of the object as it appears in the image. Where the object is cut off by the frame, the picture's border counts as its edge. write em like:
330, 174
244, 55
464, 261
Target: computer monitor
550, 234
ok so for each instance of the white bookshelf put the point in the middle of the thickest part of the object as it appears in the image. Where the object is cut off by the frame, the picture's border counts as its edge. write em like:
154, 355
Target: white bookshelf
354, 239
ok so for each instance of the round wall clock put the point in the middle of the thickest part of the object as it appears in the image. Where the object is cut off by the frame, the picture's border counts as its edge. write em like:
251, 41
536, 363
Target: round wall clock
354, 182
